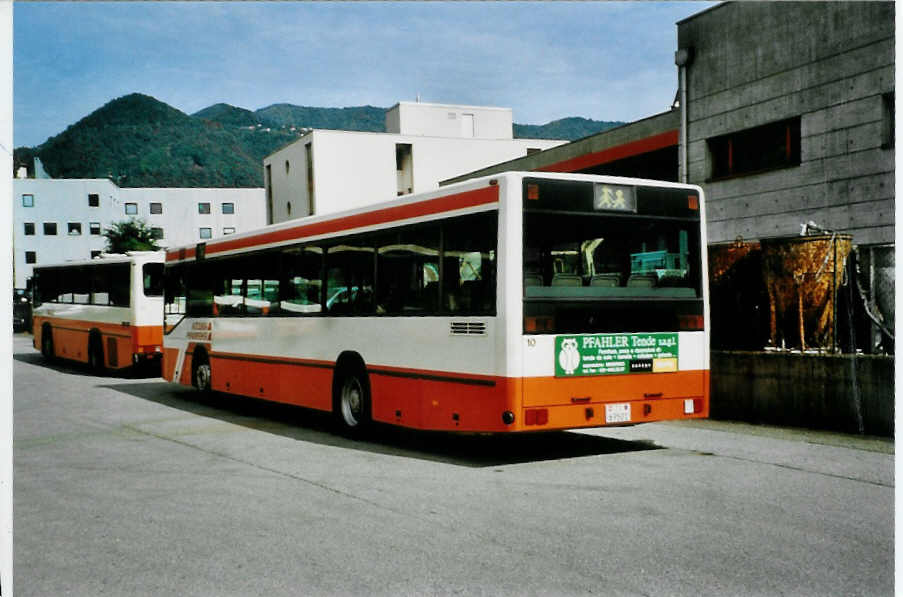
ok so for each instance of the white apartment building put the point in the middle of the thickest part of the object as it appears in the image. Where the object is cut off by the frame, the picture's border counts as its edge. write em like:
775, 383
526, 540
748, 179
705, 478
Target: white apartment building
55, 220
327, 171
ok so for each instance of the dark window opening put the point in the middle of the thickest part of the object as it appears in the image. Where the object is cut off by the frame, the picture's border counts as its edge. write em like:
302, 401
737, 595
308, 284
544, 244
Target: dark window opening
29, 228
131, 209
93, 200
94, 228
767, 147
31, 257
75, 228
157, 233
228, 208
203, 208
50, 228
156, 208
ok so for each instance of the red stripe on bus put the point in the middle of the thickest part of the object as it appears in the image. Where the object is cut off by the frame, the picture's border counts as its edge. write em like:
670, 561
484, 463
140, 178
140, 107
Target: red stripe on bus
438, 205
618, 152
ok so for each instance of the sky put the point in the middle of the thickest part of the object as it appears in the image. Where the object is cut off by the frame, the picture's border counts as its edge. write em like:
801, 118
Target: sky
545, 60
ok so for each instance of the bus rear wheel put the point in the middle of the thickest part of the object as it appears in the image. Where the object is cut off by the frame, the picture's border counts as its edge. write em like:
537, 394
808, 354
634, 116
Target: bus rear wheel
351, 403
95, 354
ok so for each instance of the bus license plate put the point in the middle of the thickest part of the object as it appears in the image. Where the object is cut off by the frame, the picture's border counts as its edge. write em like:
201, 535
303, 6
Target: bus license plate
617, 413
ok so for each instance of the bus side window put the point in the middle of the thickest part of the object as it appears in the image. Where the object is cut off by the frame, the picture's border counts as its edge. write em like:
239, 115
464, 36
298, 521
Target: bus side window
468, 285
301, 285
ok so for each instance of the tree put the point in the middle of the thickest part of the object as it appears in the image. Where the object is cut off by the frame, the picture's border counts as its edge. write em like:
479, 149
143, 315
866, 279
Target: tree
130, 235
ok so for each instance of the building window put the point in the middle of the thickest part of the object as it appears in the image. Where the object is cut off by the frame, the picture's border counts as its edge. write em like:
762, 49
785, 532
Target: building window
767, 147
532, 150
156, 208
28, 200
228, 208
95, 254
49, 228
203, 208
94, 228
287, 167
131, 209
228, 230
75, 228
29, 228
157, 233
206, 233
93, 200
31, 257
887, 121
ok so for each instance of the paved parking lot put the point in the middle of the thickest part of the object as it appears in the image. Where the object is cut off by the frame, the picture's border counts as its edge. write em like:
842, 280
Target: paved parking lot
132, 486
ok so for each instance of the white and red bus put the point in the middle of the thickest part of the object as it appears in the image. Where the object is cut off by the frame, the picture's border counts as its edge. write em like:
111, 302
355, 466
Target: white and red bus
517, 302
107, 311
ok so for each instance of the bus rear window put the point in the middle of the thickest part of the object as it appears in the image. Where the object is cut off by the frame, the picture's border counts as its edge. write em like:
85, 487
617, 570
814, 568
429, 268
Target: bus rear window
571, 255
152, 273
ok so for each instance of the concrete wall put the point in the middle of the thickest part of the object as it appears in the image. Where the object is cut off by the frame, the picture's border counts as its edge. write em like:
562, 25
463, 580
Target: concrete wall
62, 201
828, 63
445, 120
353, 169
813, 391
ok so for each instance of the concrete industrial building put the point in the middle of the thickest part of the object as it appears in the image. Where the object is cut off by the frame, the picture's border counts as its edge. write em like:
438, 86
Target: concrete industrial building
792, 120
327, 171
56, 220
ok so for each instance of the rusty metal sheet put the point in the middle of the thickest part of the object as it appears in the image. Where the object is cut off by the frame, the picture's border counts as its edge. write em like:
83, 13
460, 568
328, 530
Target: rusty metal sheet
801, 280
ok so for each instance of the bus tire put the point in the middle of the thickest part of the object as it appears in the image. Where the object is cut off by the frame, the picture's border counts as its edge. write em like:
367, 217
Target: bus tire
351, 398
95, 353
47, 342
200, 371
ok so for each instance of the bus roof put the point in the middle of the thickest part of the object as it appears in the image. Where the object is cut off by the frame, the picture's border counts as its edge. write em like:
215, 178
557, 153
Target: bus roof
131, 256
458, 196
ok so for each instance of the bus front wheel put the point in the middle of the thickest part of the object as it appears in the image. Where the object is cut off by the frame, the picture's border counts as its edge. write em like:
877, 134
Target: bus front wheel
47, 342
201, 374
351, 403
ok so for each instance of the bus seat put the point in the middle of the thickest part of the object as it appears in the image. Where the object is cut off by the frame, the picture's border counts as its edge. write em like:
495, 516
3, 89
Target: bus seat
609, 279
533, 280
642, 281
567, 280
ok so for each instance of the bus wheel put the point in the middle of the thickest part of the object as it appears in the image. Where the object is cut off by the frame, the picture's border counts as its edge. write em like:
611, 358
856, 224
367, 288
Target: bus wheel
47, 342
351, 405
200, 374
95, 354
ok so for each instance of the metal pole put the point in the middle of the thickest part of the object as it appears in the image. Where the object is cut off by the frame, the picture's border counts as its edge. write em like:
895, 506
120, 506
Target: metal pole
834, 294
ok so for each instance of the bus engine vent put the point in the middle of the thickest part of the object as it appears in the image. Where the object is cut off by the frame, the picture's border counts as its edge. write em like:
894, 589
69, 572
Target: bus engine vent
468, 328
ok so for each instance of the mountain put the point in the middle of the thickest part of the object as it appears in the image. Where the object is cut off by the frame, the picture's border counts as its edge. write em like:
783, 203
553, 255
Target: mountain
139, 141
363, 118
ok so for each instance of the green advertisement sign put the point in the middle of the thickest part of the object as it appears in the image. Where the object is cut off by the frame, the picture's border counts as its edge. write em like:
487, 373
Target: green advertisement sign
610, 354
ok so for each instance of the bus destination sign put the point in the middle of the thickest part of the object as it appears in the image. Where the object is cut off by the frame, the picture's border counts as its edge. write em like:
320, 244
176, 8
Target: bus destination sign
610, 354
612, 197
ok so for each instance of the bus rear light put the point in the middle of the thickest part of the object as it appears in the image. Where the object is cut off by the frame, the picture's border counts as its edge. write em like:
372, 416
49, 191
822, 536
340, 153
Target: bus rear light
693, 202
689, 322
539, 324
693, 406
533, 192
536, 416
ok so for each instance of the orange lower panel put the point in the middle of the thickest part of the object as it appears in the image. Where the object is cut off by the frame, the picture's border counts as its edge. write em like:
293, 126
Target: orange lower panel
552, 391
439, 401
119, 342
